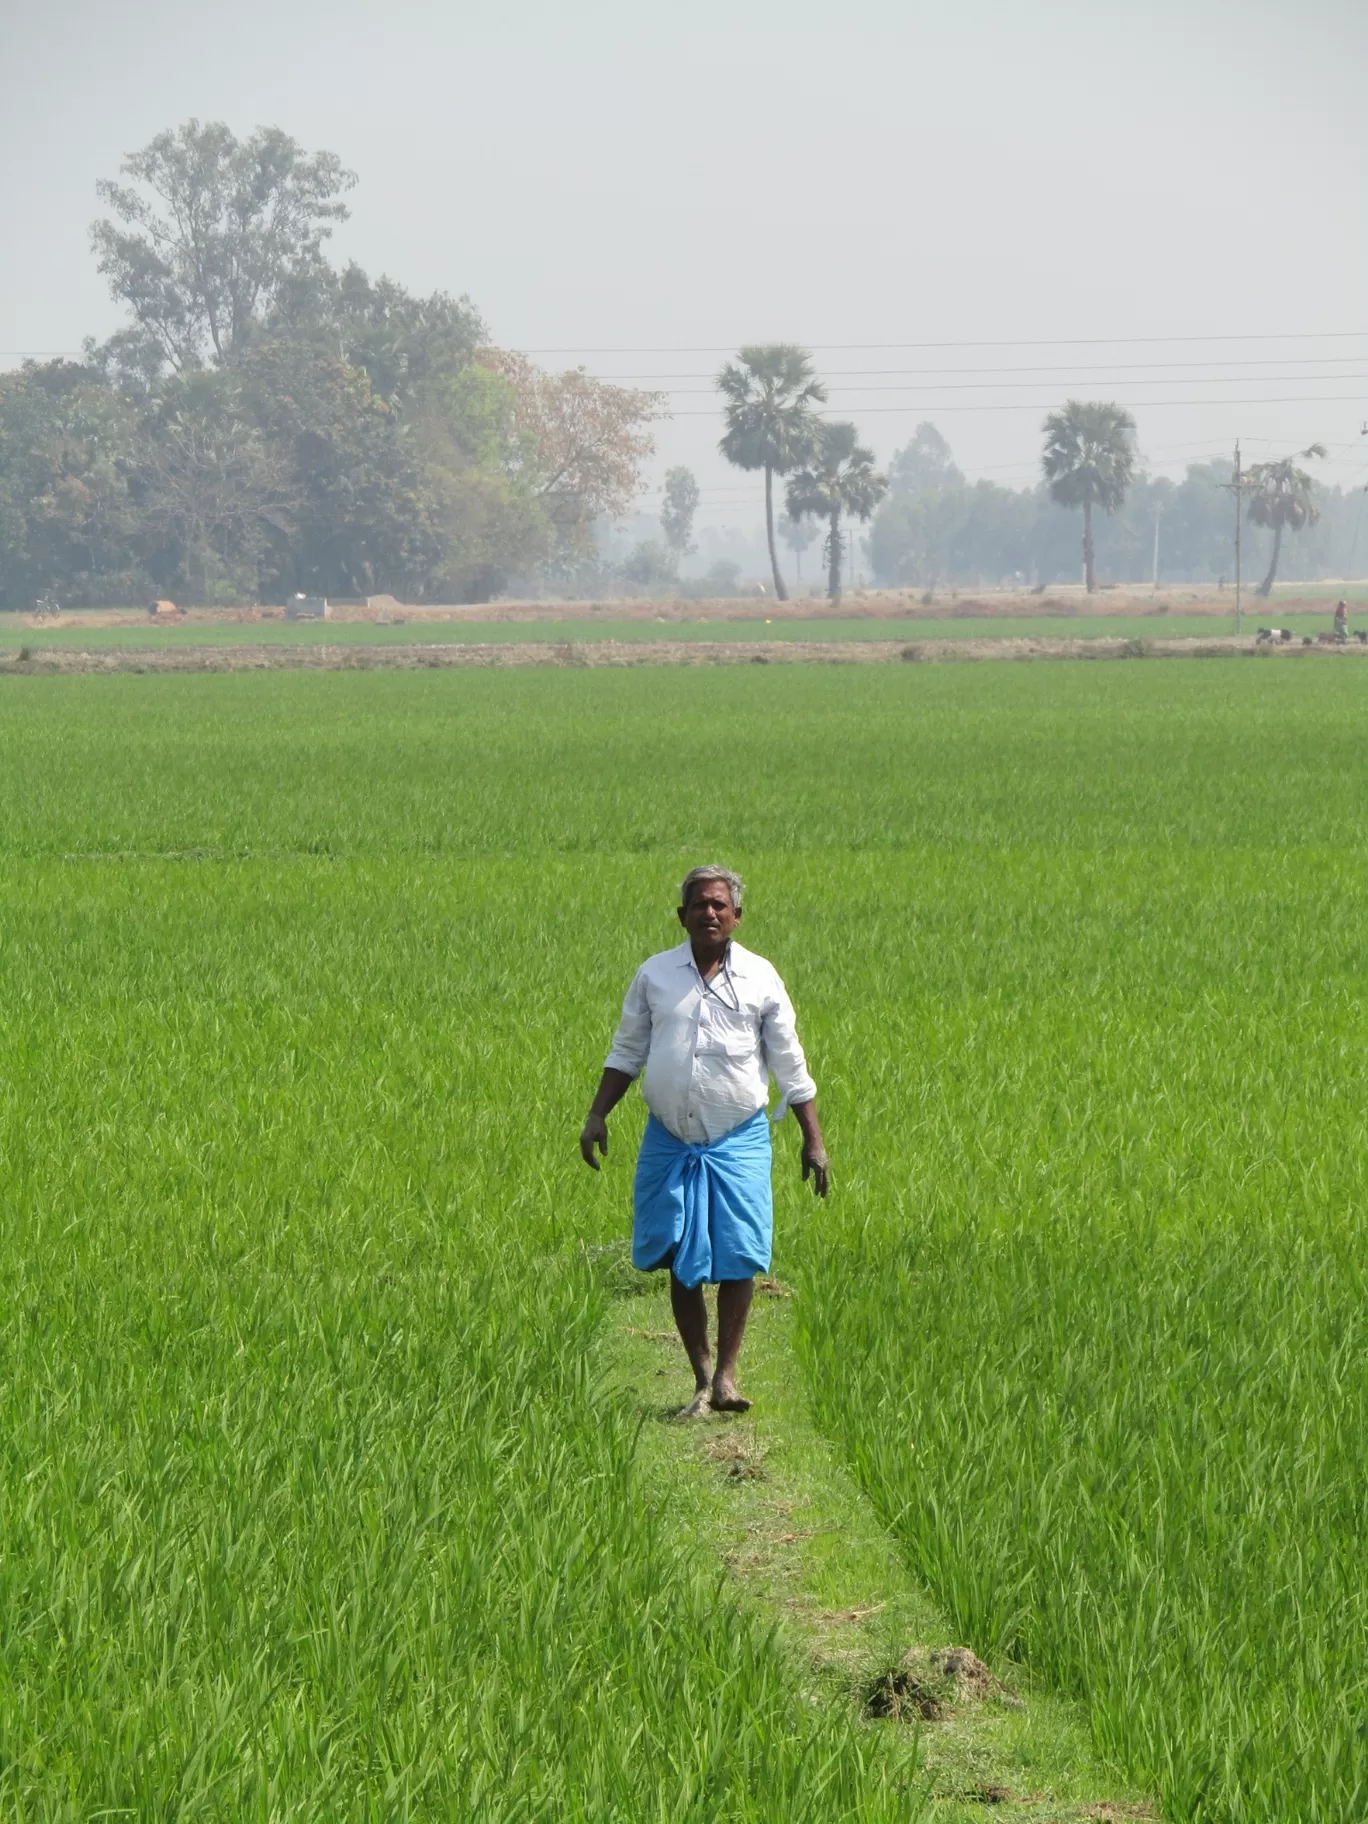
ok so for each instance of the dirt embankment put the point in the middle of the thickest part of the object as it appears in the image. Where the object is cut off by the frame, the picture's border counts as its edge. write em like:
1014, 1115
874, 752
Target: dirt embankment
619, 653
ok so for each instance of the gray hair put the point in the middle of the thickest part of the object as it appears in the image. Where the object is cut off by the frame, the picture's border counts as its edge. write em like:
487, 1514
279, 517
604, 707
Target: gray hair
696, 876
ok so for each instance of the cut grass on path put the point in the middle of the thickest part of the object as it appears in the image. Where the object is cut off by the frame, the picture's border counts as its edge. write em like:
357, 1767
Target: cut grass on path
766, 1500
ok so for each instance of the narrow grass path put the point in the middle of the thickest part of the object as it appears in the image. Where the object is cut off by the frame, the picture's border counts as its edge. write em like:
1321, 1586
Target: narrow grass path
765, 1498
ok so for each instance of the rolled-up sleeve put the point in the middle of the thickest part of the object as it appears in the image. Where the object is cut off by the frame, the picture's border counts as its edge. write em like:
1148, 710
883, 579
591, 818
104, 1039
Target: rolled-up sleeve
632, 1040
783, 1052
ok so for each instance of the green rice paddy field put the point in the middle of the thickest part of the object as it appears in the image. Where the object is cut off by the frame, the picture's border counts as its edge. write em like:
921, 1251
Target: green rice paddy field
314, 1500
590, 626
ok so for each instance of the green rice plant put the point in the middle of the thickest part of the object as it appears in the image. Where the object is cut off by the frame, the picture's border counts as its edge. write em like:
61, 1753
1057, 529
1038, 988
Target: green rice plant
1089, 1320
309, 1505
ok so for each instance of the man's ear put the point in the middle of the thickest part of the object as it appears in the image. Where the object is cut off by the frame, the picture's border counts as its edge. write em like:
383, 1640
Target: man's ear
679, 914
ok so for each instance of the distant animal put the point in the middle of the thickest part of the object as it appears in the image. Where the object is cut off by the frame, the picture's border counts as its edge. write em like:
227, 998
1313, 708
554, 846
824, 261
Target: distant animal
1361, 637
1269, 634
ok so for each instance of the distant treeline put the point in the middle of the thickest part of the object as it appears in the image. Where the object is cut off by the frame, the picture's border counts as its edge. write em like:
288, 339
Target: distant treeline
266, 424
934, 527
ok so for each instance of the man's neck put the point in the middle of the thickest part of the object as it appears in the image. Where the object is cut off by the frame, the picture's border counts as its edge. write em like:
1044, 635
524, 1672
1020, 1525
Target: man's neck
708, 961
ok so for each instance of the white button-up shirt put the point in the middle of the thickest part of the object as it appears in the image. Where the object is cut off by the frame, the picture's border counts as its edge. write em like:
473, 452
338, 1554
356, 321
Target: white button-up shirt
709, 1048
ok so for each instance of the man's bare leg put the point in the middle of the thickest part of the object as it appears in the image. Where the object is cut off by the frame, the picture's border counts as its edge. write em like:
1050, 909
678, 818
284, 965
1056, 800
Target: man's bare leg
691, 1320
733, 1308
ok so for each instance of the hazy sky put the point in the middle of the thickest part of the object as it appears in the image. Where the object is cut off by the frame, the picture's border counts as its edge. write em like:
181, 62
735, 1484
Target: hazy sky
968, 210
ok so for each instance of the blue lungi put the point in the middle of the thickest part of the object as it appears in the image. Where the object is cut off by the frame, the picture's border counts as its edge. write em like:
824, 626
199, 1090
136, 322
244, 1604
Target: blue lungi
704, 1211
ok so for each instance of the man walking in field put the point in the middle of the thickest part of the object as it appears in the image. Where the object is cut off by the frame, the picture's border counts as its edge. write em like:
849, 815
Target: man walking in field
709, 1023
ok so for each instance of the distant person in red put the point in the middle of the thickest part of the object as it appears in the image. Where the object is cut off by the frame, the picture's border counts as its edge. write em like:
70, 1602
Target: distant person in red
705, 1026
1341, 619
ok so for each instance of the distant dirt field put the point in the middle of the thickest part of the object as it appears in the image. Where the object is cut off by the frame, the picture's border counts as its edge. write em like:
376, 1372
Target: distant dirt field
410, 657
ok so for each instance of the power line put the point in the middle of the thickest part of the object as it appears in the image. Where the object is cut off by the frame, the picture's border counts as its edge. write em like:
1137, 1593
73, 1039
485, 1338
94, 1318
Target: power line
663, 348
1008, 386
1122, 367
1049, 405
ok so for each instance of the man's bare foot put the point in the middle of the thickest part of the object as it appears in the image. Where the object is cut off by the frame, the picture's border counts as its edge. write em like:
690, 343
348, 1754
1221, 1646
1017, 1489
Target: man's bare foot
697, 1407
725, 1398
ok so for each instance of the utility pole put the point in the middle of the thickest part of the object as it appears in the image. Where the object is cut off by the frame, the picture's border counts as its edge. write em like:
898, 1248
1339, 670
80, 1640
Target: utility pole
1158, 510
1236, 485
1239, 478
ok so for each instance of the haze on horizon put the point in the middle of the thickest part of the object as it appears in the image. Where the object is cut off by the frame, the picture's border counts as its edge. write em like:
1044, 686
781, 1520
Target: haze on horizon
966, 213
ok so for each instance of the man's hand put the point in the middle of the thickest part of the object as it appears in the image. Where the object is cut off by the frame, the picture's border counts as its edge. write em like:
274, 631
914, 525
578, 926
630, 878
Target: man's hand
613, 1086
815, 1162
593, 1134
814, 1156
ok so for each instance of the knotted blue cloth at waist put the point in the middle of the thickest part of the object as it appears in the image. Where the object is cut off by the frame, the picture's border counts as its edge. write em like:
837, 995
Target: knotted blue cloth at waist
704, 1211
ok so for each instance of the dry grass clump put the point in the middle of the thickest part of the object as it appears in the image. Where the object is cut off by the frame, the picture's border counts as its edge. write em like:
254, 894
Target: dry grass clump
739, 1455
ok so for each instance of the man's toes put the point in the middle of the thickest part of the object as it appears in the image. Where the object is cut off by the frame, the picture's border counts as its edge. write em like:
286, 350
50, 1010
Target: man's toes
697, 1406
727, 1399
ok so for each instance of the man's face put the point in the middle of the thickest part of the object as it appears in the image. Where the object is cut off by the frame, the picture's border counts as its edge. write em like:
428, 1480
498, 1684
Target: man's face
710, 916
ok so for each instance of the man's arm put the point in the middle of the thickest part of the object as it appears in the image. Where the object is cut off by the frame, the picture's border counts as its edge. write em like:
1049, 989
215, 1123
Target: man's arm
631, 1043
613, 1086
788, 1066
814, 1154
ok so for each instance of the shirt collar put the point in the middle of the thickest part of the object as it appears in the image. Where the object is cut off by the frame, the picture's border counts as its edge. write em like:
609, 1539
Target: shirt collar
734, 959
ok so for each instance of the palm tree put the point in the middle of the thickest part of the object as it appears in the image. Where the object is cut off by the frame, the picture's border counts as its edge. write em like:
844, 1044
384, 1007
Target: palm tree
769, 392
1089, 460
797, 534
839, 478
1282, 499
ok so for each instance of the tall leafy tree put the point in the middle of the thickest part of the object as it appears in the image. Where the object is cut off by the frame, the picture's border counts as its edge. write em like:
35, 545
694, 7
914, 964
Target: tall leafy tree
210, 233
1282, 501
214, 491
1089, 461
768, 393
581, 443
490, 519
648, 565
839, 482
69, 520
925, 466
677, 511
360, 517
408, 345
